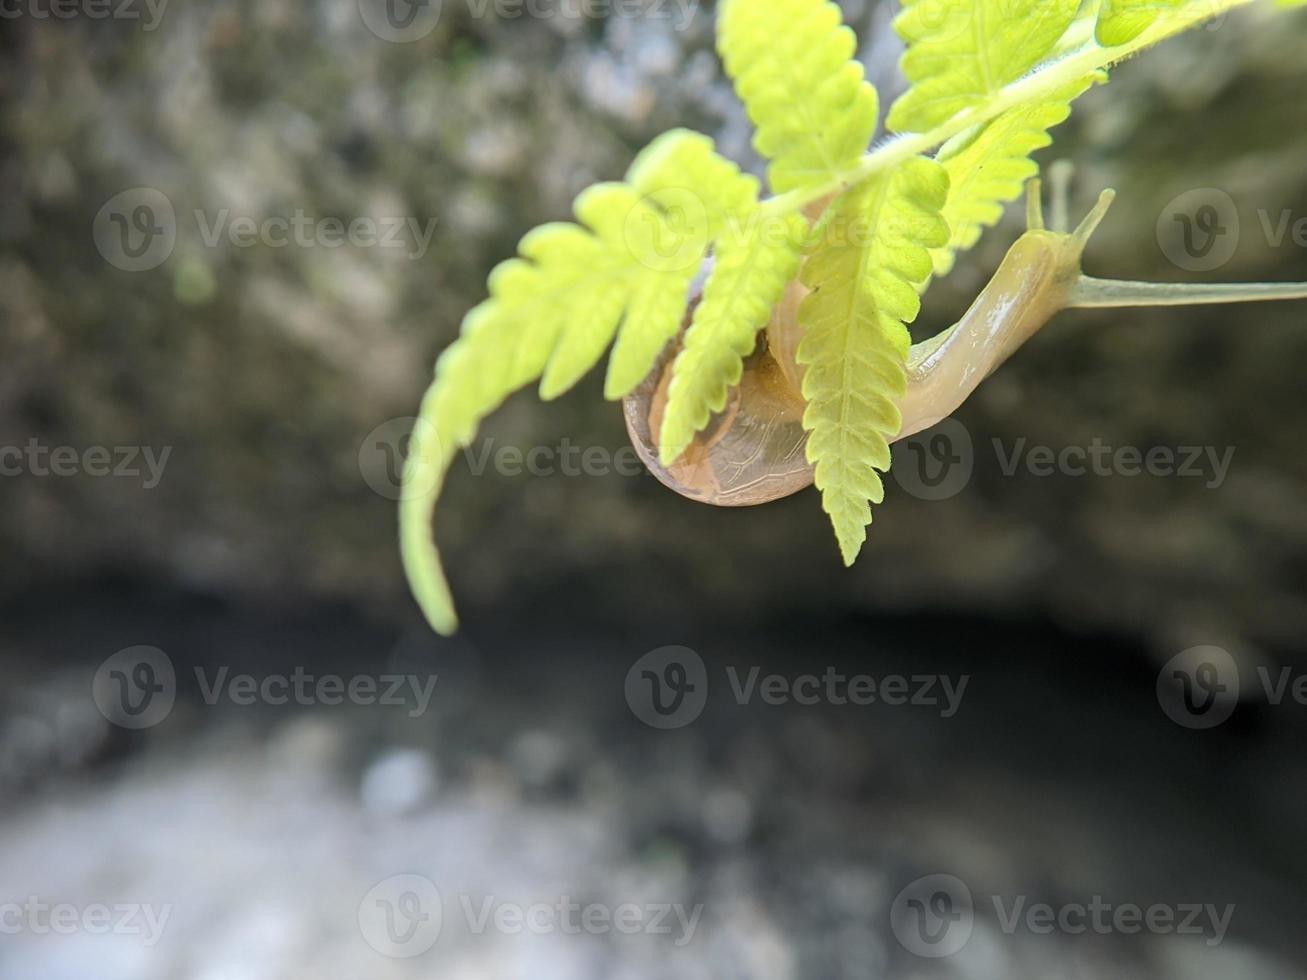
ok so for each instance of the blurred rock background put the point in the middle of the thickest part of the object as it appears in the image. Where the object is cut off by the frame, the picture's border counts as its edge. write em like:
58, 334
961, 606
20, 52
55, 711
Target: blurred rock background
277, 376
265, 368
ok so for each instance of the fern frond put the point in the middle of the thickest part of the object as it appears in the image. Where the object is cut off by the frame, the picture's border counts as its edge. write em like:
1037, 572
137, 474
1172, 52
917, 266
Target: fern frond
961, 52
748, 278
989, 165
619, 276
553, 311
793, 67
1121, 21
864, 276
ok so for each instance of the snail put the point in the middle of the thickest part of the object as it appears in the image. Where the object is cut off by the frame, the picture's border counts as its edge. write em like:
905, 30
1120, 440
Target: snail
753, 451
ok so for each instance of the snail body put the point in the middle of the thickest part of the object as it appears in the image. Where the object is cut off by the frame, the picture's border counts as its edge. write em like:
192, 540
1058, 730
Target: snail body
753, 451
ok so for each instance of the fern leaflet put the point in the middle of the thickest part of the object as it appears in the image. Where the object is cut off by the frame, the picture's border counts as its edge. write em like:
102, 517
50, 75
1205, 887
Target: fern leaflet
792, 62
864, 276
1121, 21
989, 165
747, 280
961, 52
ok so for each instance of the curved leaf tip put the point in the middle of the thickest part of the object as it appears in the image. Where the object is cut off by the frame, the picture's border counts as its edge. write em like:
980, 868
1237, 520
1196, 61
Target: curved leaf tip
423, 474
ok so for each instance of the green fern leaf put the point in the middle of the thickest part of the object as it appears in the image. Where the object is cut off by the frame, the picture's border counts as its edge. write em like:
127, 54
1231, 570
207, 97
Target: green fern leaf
748, 278
658, 302
1121, 21
623, 270
694, 193
583, 330
864, 275
792, 62
989, 165
961, 52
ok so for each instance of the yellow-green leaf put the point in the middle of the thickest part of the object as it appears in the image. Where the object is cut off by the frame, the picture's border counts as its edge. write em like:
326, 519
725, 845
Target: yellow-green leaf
989, 165
864, 275
1121, 21
624, 269
792, 63
961, 52
752, 267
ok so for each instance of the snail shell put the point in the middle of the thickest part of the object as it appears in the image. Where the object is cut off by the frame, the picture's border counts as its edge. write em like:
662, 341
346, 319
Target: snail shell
752, 451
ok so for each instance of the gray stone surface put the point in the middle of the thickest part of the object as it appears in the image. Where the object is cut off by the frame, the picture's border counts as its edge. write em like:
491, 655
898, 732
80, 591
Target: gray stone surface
252, 831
